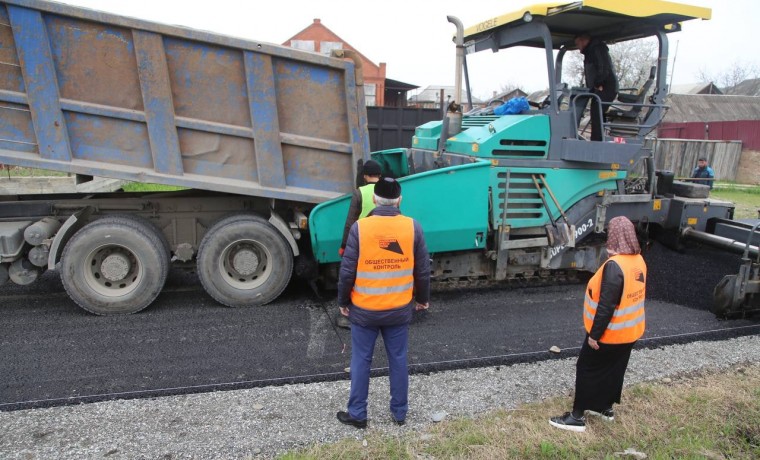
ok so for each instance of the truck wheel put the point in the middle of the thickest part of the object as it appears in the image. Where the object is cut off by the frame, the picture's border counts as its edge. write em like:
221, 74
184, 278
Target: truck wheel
244, 261
115, 265
690, 190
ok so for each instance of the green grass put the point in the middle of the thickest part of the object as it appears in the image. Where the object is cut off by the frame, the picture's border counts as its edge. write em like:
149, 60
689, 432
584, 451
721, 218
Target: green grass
17, 171
140, 187
746, 199
739, 188
696, 416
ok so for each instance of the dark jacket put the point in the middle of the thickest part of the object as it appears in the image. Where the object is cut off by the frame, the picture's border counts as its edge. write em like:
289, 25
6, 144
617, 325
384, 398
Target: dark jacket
347, 277
354, 211
704, 173
598, 68
609, 298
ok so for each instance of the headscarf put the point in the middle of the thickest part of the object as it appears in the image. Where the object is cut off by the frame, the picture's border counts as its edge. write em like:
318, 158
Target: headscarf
621, 236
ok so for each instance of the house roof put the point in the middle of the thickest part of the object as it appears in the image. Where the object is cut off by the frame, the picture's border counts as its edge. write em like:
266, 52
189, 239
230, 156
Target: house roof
517, 92
749, 87
317, 25
711, 107
398, 85
695, 88
433, 94
538, 96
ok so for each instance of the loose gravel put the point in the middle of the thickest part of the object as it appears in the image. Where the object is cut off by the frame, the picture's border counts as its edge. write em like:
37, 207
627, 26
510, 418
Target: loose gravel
264, 422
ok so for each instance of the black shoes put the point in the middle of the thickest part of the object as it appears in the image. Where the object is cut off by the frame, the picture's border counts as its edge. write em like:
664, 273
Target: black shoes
568, 422
346, 419
608, 415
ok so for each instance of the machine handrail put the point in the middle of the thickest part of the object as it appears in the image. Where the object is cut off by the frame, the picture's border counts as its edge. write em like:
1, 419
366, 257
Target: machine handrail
745, 255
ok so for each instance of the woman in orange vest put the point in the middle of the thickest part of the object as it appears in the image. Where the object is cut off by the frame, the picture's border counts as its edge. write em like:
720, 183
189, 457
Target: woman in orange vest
613, 315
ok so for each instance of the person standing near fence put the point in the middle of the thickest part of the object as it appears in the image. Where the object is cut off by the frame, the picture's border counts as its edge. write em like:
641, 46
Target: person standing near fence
704, 173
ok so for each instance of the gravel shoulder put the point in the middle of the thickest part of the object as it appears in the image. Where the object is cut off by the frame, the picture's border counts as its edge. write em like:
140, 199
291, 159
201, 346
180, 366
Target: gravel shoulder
264, 422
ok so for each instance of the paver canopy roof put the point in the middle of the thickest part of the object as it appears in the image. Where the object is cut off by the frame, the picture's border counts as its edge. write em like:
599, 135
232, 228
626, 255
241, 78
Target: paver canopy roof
609, 20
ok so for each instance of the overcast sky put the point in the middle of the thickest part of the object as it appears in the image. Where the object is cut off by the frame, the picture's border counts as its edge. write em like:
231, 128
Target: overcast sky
413, 37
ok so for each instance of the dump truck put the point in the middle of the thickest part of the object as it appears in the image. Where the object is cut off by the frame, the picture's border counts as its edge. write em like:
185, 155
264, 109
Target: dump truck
268, 143
255, 133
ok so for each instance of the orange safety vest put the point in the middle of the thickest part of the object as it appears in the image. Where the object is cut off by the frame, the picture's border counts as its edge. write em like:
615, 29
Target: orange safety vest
627, 323
385, 270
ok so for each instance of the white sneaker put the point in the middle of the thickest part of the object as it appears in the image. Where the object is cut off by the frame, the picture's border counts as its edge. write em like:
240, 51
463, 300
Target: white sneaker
568, 422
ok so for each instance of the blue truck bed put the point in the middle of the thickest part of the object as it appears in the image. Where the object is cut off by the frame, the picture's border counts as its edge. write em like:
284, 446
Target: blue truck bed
97, 94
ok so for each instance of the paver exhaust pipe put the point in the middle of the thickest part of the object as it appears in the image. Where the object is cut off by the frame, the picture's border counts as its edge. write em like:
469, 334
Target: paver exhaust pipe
454, 110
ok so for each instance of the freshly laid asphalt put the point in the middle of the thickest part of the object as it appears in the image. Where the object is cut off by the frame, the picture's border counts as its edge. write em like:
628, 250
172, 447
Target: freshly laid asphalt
54, 353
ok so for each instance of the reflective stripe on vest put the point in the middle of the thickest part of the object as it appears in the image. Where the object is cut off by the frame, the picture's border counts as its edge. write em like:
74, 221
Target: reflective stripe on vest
367, 191
628, 321
385, 269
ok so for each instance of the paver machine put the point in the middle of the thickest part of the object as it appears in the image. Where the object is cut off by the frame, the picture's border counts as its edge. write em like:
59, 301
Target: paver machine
525, 196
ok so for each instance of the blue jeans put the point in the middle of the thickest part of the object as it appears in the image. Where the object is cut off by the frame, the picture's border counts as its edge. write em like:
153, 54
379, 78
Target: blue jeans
396, 340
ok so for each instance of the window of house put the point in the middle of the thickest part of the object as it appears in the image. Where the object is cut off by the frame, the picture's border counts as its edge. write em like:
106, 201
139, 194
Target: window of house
370, 90
305, 45
326, 47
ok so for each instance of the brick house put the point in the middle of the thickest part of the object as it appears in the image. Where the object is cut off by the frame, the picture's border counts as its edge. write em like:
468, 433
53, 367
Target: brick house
377, 90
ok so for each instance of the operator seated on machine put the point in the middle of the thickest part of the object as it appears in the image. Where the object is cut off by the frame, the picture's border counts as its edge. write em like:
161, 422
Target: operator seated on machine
599, 74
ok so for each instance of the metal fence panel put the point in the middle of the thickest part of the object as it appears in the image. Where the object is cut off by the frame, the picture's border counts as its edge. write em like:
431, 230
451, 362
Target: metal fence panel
747, 131
393, 127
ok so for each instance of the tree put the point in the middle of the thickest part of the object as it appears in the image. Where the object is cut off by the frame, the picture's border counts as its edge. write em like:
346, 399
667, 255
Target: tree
632, 59
504, 88
508, 87
727, 79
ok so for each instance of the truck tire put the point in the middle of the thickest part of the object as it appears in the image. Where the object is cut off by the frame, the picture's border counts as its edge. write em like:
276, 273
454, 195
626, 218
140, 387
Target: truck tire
115, 265
244, 261
156, 229
690, 190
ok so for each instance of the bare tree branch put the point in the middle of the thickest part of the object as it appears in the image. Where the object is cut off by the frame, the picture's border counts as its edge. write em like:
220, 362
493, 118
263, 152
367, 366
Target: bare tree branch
508, 87
727, 79
632, 60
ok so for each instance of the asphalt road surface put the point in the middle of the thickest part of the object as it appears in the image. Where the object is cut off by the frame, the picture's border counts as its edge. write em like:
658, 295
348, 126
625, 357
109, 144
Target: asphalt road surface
54, 353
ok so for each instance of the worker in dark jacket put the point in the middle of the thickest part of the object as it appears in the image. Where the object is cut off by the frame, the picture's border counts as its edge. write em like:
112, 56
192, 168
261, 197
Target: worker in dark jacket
384, 276
361, 205
600, 79
613, 315
704, 172
361, 199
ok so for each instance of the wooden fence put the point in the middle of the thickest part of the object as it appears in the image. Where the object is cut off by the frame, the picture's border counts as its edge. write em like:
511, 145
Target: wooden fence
681, 155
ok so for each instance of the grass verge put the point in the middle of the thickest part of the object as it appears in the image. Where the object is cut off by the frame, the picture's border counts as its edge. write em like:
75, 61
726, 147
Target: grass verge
140, 187
704, 415
17, 171
746, 199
